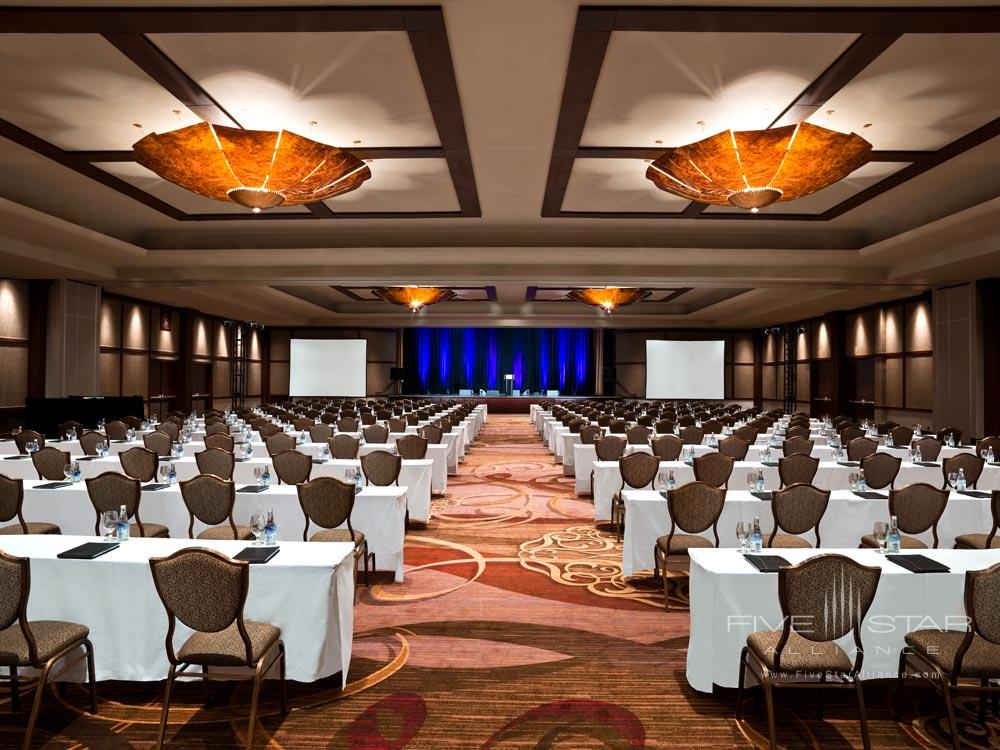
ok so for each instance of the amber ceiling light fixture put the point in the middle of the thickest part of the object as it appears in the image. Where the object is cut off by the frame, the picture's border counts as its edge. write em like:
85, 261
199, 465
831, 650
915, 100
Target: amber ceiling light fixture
414, 297
254, 168
608, 298
755, 168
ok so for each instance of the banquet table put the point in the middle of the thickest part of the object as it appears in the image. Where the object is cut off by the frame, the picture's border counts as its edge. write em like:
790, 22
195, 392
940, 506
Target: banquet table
847, 518
829, 476
307, 590
730, 600
415, 475
379, 512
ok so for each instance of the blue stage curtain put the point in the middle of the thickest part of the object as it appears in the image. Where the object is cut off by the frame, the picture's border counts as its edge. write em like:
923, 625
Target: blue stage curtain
448, 360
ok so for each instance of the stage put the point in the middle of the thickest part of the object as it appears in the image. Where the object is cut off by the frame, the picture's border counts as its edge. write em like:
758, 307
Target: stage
503, 404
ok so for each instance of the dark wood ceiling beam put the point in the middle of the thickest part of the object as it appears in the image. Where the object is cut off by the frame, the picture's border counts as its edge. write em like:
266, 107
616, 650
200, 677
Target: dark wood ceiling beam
307, 294
862, 52
590, 43
977, 137
147, 56
198, 20
309, 216
320, 210
694, 208
22, 137
429, 39
808, 20
646, 152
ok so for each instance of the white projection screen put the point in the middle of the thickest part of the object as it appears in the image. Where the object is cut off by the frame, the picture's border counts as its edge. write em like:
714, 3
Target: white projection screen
328, 367
685, 369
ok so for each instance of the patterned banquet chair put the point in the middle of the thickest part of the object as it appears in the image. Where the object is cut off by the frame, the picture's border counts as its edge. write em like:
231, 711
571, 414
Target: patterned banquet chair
215, 461
734, 447
970, 464
211, 500
918, 508
11, 504
139, 463
412, 447
797, 446
90, 440
693, 508
279, 444
713, 468
159, 442
207, 592
945, 658
220, 441
797, 509
292, 466
24, 437
880, 470
376, 433
50, 462
974, 540
667, 447
328, 502
36, 644
111, 490
860, 447
638, 470
344, 446
381, 468
797, 468
790, 657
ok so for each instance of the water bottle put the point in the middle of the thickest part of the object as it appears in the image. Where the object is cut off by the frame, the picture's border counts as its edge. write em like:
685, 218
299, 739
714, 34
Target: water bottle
765, 455
358, 482
671, 481
892, 539
951, 439
302, 438
889, 443
77, 475
990, 458
265, 479
917, 457
756, 538
862, 484
171, 473
324, 452
270, 529
961, 485
122, 527
760, 480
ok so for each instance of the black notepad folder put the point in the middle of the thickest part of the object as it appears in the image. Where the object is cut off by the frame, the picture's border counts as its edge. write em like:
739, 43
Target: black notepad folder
52, 485
769, 463
88, 551
765, 496
975, 493
256, 555
153, 486
918, 563
869, 495
15, 458
250, 488
766, 563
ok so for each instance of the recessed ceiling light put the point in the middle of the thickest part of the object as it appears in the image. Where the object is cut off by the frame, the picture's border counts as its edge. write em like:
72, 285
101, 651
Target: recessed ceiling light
867, 125
357, 141
657, 141
313, 122
136, 124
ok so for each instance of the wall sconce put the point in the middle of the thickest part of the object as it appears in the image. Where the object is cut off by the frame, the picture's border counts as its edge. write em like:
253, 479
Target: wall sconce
165, 321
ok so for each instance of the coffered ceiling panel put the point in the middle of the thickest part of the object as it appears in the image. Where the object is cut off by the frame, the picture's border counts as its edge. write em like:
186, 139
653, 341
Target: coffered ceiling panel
616, 185
402, 185
817, 203
356, 87
656, 87
80, 93
924, 92
178, 197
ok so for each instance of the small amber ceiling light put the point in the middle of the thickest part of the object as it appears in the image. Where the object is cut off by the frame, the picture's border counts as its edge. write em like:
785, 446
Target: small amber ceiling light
754, 168
254, 168
608, 298
414, 297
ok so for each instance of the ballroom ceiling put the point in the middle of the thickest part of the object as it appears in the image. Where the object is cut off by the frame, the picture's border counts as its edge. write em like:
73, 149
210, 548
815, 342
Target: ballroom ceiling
508, 144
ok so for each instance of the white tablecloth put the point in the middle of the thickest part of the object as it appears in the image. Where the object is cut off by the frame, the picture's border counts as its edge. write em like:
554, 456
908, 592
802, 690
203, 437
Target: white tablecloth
379, 512
415, 475
829, 476
307, 590
847, 518
730, 600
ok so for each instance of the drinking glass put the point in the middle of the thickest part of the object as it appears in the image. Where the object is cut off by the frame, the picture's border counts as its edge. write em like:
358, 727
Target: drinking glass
881, 530
743, 532
164, 473
258, 475
661, 481
751, 480
984, 453
68, 471
953, 479
109, 522
257, 527
853, 479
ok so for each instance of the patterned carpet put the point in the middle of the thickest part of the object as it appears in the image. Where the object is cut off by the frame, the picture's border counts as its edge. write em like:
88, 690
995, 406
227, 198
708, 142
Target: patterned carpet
513, 630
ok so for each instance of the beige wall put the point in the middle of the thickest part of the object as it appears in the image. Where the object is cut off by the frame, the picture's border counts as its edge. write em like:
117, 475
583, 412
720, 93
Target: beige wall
13, 342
